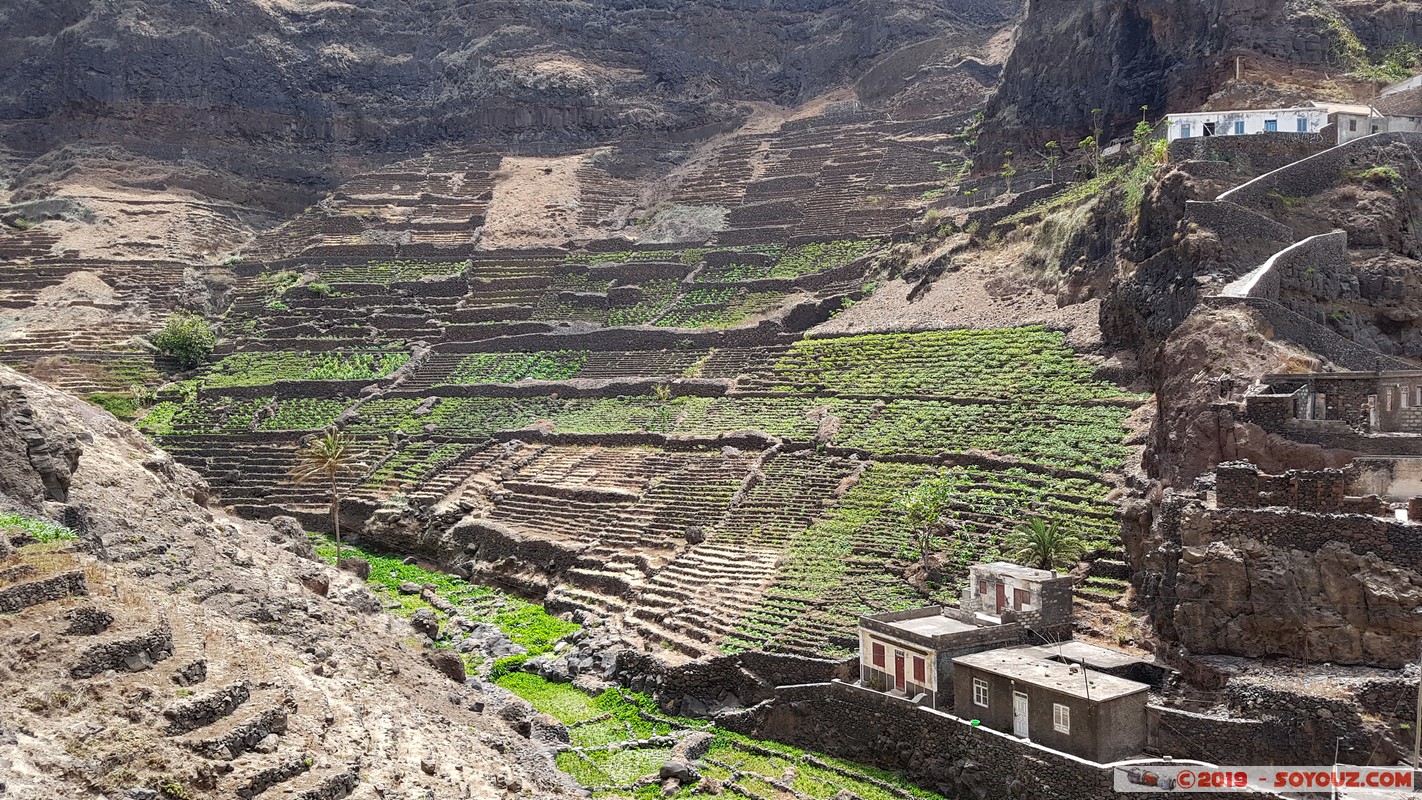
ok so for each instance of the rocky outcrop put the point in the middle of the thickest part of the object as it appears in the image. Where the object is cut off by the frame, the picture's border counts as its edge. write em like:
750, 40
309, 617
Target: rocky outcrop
1072, 56
49, 453
1339, 588
393, 76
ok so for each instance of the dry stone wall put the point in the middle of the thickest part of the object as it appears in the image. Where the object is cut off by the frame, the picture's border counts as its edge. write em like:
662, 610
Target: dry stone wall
932, 749
1283, 582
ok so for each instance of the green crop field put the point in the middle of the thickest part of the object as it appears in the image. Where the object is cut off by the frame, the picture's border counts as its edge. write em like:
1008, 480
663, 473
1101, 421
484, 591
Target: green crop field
611, 758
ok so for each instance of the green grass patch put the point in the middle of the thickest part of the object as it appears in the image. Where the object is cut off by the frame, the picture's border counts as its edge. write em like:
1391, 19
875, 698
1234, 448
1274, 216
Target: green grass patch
526, 624
40, 530
739, 761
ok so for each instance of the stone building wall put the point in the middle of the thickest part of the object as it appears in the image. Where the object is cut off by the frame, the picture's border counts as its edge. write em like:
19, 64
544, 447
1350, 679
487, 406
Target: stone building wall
932, 749
1260, 152
1317, 173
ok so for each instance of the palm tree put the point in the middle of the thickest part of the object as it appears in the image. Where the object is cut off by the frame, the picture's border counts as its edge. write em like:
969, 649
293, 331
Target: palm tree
326, 458
1044, 544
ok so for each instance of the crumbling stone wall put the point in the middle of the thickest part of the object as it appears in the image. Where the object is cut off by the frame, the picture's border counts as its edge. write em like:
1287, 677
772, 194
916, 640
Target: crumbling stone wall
43, 591
1240, 484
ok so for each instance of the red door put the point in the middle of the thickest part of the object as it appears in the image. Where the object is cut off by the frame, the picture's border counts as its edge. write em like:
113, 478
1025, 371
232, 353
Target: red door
1001, 597
899, 671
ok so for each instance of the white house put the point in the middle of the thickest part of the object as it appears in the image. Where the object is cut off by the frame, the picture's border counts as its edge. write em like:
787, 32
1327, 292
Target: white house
1304, 119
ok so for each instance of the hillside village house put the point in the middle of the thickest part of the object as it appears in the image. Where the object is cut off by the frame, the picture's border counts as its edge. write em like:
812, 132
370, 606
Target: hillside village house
1060, 704
910, 653
1348, 121
1005, 658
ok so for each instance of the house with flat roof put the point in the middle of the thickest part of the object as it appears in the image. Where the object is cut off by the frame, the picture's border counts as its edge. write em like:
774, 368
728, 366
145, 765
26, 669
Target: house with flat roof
1001, 591
1346, 121
910, 653
1034, 693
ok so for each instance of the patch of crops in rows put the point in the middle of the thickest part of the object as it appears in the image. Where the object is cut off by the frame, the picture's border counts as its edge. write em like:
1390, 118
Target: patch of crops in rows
609, 758
260, 368
548, 365
1031, 364
853, 560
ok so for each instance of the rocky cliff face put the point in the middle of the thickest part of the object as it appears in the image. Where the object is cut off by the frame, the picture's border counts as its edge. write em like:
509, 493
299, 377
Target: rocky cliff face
386, 76
1074, 56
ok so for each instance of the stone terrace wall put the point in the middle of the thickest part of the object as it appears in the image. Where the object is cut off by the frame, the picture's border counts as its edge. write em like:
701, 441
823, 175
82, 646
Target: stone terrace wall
1396, 543
1318, 172
1294, 266
1220, 740
1240, 484
1233, 221
1263, 152
932, 749
1338, 435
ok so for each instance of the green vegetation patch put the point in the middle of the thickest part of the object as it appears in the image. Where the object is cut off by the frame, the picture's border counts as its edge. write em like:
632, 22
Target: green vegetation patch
808, 259
260, 368
717, 308
606, 758
547, 365
526, 624
38, 529
1028, 364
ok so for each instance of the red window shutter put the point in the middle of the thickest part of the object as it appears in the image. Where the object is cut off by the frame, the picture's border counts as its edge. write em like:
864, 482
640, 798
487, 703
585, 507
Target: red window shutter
982, 587
920, 671
878, 655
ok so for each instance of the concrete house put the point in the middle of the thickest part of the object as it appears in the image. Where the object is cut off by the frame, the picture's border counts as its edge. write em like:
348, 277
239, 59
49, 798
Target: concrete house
1302, 119
1003, 591
910, 653
1065, 706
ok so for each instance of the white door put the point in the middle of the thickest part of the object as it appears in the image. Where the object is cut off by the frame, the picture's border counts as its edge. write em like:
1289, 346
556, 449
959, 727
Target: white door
1019, 714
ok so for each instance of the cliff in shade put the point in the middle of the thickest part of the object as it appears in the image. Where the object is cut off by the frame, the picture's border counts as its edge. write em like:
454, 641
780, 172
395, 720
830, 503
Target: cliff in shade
390, 76
1072, 56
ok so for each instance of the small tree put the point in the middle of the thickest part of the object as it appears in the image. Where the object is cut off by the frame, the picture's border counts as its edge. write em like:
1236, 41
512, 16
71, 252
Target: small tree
186, 337
1008, 170
326, 458
1054, 158
1044, 544
1093, 152
926, 513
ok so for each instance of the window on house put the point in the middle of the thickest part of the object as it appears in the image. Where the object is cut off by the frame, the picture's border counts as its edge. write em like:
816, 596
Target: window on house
1239, 128
982, 587
1061, 718
1375, 129
1303, 125
980, 692
1271, 126
878, 654
920, 670
1020, 598
1352, 124
1209, 129
1186, 130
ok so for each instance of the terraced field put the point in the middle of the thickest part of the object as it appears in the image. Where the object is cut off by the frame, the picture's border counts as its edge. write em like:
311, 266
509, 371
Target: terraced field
658, 428
619, 741
756, 504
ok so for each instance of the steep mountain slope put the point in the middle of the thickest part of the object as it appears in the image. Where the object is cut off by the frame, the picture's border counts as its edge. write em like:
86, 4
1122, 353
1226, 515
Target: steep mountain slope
173, 647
